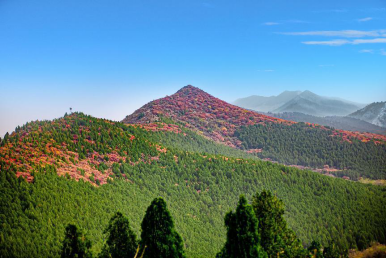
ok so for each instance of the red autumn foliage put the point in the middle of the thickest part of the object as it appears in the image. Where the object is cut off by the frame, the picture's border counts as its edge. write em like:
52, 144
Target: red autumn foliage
214, 118
254, 151
28, 154
156, 127
26, 175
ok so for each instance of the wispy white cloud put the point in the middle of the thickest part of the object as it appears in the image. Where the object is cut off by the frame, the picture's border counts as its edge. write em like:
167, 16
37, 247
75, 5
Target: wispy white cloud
336, 42
340, 42
370, 51
365, 19
283, 22
365, 41
270, 23
340, 33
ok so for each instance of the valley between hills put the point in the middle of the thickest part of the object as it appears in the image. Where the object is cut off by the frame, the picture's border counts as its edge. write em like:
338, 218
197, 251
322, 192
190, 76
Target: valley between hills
200, 154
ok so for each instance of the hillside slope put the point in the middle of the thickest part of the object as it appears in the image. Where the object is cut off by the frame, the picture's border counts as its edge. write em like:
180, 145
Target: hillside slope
198, 110
374, 113
119, 167
215, 119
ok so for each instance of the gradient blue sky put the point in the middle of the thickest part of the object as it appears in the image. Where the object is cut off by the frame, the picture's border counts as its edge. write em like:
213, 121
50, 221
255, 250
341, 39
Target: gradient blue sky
108, 58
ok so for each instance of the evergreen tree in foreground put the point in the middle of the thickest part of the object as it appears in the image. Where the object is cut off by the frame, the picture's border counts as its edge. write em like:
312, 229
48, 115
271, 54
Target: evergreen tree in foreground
315, 250
242, 233
276, 238
75, 244
331, 251
121, 240
158, 235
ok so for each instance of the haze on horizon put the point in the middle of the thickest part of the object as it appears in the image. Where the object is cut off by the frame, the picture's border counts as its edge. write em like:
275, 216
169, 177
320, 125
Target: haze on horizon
108, 58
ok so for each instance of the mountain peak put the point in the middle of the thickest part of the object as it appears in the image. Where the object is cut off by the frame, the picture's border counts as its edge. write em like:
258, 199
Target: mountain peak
308, 93
374, 113
290, 91
202, 112
189, 89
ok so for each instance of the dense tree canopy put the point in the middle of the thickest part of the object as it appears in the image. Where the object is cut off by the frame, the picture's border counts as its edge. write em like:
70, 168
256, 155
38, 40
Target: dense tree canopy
158, 235
133, 168
242, 233
276, 238
75, 244
306, 145
331, 251
121, 240
315, 250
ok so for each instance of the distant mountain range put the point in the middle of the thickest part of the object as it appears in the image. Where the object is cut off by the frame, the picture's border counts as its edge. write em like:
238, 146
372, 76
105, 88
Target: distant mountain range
305, 102
374, 113
266, 104
338, 122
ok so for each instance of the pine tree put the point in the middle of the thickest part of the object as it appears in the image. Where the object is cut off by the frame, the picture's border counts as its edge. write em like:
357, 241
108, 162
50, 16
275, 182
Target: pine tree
75, 244
276, 238
315, 250
5, 139
361, 240
331, 251
158, 234
242, 233
121, 240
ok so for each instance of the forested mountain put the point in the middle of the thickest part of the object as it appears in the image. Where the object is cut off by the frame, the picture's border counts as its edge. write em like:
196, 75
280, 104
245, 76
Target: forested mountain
305, 102
374, 113
337, 122
198, 110
82, 170
267, 137
310, 146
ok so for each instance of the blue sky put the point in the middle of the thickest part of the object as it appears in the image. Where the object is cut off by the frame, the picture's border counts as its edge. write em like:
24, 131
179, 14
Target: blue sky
108, 58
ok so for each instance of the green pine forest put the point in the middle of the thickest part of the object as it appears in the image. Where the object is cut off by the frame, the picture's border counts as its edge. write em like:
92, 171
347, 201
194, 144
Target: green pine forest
299, 144
199, 188
303, 144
